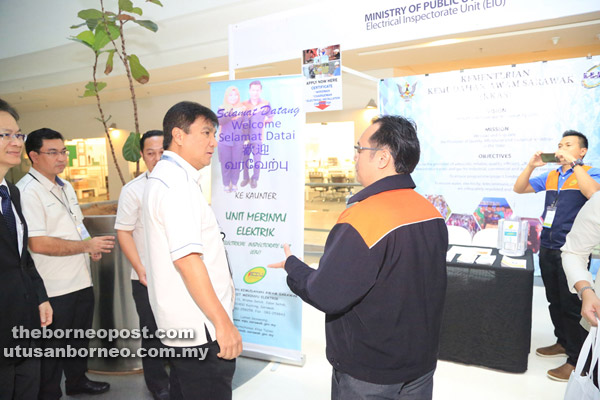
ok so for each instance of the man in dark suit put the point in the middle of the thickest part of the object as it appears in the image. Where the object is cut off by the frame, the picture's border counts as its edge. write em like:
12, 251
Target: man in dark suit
23, 299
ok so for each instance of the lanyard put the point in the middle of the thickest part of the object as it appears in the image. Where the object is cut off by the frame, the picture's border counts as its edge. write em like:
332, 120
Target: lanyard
558, 189
59, 200
556, 198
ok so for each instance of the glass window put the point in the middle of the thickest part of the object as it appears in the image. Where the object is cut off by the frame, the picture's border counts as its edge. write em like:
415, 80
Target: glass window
87, 169
329, 181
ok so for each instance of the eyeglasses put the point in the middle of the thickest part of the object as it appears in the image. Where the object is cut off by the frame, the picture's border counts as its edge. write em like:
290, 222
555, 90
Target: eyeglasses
55, 153
13, 136
361, 148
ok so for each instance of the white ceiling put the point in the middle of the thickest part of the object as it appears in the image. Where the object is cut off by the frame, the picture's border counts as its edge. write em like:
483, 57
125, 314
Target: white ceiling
47, 23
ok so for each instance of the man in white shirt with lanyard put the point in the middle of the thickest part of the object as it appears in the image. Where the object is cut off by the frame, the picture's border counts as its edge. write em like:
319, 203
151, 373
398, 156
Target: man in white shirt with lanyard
189, 282
59, 245
581, 240
130, 233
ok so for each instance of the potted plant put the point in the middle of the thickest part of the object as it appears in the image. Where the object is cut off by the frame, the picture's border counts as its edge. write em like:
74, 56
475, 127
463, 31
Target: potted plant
104, 34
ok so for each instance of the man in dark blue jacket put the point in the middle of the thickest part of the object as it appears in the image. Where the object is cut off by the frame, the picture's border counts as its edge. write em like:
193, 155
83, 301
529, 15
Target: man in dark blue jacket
23, 298
382, 278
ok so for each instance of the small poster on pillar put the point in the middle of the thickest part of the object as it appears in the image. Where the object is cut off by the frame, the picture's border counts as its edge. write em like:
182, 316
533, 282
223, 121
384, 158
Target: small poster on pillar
322, 66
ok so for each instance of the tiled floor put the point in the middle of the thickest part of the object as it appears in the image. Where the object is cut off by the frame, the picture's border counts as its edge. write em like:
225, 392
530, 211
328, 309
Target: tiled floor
255, 379
319, 218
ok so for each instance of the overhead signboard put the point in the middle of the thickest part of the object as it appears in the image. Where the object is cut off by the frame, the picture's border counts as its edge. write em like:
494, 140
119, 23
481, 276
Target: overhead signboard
358, 24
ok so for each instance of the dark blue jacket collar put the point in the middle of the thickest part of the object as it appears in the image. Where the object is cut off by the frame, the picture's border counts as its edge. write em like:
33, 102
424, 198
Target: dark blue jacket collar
393, 182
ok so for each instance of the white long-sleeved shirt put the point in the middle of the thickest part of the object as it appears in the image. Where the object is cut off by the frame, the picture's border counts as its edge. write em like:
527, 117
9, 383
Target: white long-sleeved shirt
584, 236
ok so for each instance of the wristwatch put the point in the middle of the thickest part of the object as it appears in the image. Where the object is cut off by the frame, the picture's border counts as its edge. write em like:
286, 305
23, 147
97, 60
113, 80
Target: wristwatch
579, 162
583, 289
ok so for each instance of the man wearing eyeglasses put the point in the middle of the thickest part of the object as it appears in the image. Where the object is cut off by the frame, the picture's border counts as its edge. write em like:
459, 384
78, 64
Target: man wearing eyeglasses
24, 302
60, 245
382, 278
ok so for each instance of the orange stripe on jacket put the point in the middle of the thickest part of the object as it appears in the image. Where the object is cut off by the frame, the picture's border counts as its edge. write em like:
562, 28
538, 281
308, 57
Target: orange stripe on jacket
379, 214
570, 184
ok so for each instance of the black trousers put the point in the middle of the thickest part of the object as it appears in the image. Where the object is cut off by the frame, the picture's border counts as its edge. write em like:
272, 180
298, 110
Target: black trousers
71, 311
564, 307
20, 380
155, 374
208, 379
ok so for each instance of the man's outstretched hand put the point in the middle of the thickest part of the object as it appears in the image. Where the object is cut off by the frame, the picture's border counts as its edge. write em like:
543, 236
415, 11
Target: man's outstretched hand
281, 264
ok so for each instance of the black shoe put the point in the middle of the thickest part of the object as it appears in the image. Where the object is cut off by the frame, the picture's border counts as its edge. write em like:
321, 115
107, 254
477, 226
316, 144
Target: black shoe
253, 183
90, 387
162, 394
244, 182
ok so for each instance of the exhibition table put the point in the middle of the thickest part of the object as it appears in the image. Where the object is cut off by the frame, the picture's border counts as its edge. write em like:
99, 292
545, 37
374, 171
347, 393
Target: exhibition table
487, 315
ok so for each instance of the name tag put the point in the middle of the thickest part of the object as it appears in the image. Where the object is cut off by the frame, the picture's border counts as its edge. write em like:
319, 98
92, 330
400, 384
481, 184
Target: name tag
550, 213
83, 232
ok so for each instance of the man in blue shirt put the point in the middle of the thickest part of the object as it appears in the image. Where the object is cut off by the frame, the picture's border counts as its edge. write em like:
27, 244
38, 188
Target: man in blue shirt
567, 189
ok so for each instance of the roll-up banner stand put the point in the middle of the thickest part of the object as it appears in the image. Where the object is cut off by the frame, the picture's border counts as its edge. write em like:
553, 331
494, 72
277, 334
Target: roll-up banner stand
258, 198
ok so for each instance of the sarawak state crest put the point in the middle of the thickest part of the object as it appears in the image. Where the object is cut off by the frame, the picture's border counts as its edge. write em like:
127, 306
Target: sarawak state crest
407, 92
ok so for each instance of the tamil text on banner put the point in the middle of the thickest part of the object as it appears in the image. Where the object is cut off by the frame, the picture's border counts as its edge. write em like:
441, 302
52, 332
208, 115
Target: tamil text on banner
258, 198
479, 128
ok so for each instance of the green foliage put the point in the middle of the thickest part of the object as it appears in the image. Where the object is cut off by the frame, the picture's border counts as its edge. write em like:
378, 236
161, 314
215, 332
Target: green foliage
77, 26
105, 121
131, 148
90, 90
90, 13
109, 62
139, 73
104, 29
126, 5
101, 39
151, 26
91, 17
85, 37
114, 32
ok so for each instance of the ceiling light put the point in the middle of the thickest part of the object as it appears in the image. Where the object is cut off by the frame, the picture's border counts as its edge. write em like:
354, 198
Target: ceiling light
442, 42
215, 74
371, 104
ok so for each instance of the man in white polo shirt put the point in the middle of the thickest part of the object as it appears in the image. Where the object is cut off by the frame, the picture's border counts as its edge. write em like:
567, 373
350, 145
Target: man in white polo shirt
130, 233
189, 281
59, 245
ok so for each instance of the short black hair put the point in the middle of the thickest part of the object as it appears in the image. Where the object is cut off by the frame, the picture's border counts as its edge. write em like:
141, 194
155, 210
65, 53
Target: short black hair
255, 83
149, 134
583, 142
182, 115
4, 106
399, 135
35, 140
